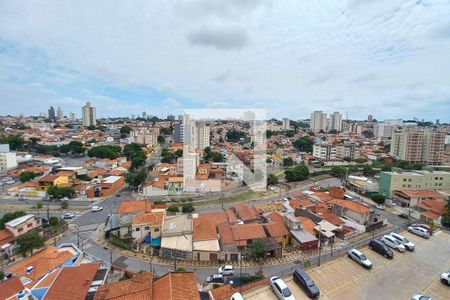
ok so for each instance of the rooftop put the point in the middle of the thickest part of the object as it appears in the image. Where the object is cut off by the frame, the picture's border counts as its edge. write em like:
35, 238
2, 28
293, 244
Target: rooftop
176, 286
137, 288
19, 220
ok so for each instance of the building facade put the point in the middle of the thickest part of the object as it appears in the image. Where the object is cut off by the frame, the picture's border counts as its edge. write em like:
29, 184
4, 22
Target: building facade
89, 115
414, 180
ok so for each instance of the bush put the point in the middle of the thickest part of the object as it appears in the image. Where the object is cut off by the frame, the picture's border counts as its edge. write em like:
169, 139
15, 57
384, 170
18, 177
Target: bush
173, 209
251, 278
53, 221
180, 269
378, 198
39, 204
297, 173
64, 204
187, 208
158, 202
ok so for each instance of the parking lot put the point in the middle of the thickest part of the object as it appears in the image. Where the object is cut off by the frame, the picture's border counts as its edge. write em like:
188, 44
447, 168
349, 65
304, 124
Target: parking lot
407, 274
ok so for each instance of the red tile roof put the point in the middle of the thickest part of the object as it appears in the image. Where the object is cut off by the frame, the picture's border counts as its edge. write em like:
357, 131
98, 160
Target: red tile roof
10, 287
332, 218
137, 288
276, 217
133, 206
73, 282
246, 212
276, 230
154, 218
232, 218
349, 204
204, 229
421, 193
6, 236
243, 233
176, 286
308, 225
225, 234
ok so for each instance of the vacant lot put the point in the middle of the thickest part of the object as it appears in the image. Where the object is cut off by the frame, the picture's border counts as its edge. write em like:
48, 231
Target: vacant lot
407, 274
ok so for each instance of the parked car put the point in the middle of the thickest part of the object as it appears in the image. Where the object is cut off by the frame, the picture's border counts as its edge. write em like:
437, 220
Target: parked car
280, 289
360, 258
380, 206
96, 208
421, 297
408, 245
236, 296
445, 278
393, 243
306, 283
215, 278
424, 226
381, 248
226, 270
419, 231
404, 216
68, 215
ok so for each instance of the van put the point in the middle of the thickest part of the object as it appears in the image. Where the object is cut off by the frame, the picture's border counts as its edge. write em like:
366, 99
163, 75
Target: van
306, 283
381, 248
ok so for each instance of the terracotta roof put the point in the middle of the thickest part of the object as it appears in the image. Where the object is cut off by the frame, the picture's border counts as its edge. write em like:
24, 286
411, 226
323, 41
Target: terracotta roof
133, 206
431, 214
308, 225
217, 217
232, 218
225, 234
276, 217
48, 178
421, 193
276, 230
246, 212
323, 196
10, 287
176, 286
43, 262
244, 232
433, 205
299, 203
154, 218
332, 218
204, 229
137, 288
6, 236
73, 282
352, 205
65, 173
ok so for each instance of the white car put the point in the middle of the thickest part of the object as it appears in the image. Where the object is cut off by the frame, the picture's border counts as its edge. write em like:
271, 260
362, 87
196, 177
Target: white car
360, 258
68, 215
96, 208
226, 270
422, 232
280, 289
445, 278
421, 297
408, 245
236, 296
393, 243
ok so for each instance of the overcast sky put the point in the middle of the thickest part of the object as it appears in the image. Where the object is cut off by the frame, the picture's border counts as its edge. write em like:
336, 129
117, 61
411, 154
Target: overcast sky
387, 58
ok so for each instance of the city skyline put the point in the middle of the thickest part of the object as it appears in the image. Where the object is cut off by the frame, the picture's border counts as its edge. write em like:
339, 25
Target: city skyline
389, 59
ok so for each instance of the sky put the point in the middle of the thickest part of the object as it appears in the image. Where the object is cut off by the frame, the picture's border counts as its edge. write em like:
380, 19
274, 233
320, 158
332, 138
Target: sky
388, 58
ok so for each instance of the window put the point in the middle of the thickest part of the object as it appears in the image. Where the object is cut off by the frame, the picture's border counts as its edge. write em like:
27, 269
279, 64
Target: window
29, 225
156, 229
147, 227
20, 229
138, 229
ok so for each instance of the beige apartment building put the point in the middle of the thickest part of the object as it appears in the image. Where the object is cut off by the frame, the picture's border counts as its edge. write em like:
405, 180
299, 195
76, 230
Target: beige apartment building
414, 180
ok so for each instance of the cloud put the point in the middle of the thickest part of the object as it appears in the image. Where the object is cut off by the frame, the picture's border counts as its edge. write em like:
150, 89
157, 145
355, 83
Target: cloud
223, 37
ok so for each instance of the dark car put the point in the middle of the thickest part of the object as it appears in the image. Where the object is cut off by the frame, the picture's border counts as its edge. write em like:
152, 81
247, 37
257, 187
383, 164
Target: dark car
404, 216
306, 283
381, 248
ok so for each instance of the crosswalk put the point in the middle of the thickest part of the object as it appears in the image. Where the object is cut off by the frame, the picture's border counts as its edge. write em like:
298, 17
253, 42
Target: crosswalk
89, 227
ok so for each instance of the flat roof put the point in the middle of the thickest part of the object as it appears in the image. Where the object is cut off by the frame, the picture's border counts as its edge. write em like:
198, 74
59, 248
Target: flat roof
20, 220
208, 245
111, 179
180, 242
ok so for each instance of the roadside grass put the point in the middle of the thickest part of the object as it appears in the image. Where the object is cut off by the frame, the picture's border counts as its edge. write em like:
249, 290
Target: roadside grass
244, 196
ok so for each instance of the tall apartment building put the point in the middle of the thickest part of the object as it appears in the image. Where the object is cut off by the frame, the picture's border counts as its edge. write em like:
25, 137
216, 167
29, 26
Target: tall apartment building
286, 124
335, 122
318, 121
145, 135
72, 117
51, 113
324, 151
418, 145
8, 159
200, 135
59, 113
414, 180
89, 115
340, 151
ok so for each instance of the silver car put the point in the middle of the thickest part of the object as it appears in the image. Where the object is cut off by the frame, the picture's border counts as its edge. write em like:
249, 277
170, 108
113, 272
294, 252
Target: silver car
281, 289
408, 244
419, 231
360, 258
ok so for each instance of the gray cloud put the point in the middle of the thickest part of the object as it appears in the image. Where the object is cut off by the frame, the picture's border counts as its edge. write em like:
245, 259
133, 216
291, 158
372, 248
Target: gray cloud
221, 37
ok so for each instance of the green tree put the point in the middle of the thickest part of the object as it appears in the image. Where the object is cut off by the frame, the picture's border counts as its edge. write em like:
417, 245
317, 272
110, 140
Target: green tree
105, 151
2, 275
10, 216
16, 142
39, 204
304, 144
378, 198
136, 178
161, 139
257, 250
289, 133
29, 241
173, 209
338, 172
26, 176
368, 171
288, 162
54, 221
60, 192
64, 204
272, 180
297, 173
125, 130
235, 135
187, 208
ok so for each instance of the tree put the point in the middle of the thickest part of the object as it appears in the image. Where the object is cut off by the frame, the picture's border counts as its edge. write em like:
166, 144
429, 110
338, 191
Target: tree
297, 173
378, 198
60, 192
16, 142
304, 144
235, 135
272, 180
10, 216
368, 133
445, 218
361, 160
125, 130
135, 179
39, 204
53, 221
105, 151
187, 208
2, 275
64, 204
173, 209
289, 133
368, 171
257, 250
161, 139
338, 172
26, 176
29, 241
288, 162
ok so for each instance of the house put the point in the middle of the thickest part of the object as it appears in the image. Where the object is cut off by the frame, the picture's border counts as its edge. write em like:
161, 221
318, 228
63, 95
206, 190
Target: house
177, 237
300, 237
228, 245
244, 234
358, 212
134, 206
23, 224
176, 286
73, 282
105, 187
139, 287
9, 289
412, 198
203, 171
431, 210
278, 231
147, 227
247, 213
205, 239
7, 240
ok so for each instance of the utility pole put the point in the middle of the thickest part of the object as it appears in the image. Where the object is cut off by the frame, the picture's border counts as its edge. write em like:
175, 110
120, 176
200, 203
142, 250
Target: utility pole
48, 212
320, 242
